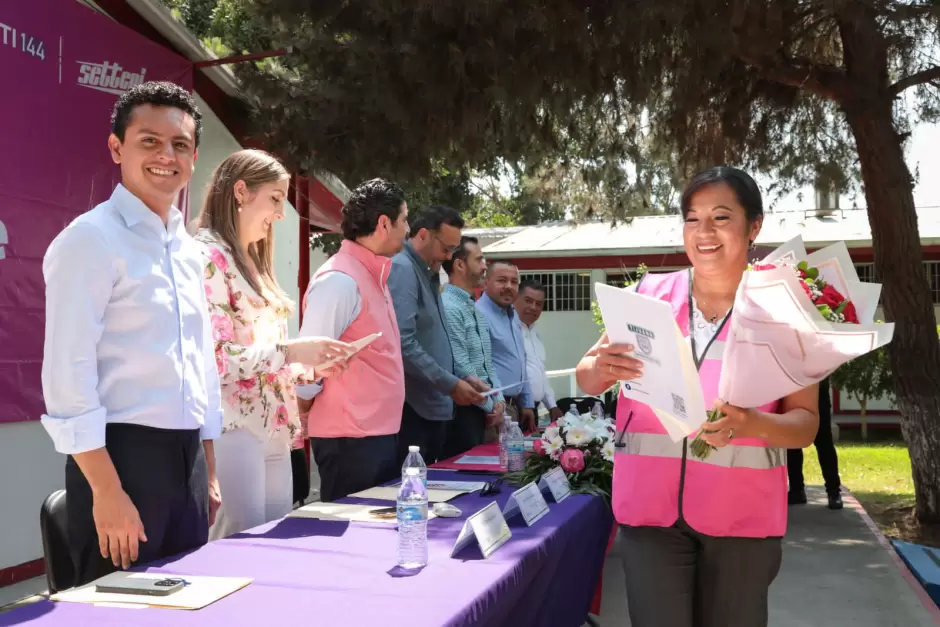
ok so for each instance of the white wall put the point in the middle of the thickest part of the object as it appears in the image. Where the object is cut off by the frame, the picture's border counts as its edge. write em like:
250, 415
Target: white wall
31, 470
217, 144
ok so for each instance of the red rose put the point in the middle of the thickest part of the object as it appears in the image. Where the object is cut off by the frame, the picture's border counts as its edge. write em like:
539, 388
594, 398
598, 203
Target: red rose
830, 296
850, 314
801, 273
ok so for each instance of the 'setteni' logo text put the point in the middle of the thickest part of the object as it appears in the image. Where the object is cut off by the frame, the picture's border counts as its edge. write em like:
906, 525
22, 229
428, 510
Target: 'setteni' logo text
108, 77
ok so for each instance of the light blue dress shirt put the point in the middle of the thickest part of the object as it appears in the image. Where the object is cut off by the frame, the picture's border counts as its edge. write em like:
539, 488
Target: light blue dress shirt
128, 337
508, 349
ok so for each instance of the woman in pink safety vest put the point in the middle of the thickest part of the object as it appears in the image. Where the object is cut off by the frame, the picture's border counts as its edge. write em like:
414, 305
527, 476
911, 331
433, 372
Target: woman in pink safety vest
702, 538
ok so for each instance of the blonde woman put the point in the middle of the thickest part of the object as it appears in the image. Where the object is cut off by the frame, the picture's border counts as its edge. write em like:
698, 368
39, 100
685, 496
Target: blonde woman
258, 365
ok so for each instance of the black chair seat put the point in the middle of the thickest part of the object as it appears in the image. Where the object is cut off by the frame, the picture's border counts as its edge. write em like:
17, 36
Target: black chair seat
53, 524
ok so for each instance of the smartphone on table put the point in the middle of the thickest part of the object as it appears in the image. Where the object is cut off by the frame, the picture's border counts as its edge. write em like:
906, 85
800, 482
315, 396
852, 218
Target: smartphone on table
151, 586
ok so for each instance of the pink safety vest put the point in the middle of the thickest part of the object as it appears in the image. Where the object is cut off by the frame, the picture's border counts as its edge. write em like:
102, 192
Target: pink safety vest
739, 490
367, 398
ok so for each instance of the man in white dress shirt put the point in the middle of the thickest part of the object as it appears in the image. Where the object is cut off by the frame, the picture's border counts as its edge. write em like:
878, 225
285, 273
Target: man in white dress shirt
529, 306
129, 374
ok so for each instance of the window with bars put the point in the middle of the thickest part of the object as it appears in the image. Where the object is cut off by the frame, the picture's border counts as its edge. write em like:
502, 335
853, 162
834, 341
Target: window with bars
932, 269
564, 291
866, 273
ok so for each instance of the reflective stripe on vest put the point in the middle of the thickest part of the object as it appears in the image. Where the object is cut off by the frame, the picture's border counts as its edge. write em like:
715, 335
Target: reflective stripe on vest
731, 456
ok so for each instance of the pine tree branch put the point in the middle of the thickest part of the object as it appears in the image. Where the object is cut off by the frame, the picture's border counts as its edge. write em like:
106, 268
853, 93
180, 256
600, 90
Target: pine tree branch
918, 78
826, 82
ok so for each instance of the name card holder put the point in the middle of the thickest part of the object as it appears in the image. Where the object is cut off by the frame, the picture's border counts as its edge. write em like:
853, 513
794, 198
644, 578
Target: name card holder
557, 483
488, 527
528, 501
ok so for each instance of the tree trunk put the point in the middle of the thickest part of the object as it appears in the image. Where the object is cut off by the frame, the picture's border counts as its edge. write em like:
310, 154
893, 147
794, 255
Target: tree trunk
914, 352
863, 418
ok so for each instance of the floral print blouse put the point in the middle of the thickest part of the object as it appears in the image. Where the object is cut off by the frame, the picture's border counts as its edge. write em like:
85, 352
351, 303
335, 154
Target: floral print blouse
257, 382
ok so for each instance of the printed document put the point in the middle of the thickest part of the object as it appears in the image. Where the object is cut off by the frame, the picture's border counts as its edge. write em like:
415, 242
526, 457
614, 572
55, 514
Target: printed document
669, 383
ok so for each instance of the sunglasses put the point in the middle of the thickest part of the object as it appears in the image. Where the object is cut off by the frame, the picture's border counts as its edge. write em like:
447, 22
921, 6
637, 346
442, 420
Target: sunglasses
493, 487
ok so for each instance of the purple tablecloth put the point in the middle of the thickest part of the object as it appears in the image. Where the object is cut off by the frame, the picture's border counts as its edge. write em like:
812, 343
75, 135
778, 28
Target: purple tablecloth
313, 572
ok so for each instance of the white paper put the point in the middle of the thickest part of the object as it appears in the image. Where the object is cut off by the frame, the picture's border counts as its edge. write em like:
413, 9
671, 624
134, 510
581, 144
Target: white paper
459, 486
198, 593
669, 383
390, 493
529, 502
495, 391
488, 527
479, 460
557, 483
347, 512
358, 345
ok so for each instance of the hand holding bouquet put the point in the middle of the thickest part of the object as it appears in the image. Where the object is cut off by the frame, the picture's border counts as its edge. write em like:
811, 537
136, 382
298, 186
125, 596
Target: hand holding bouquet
797, 318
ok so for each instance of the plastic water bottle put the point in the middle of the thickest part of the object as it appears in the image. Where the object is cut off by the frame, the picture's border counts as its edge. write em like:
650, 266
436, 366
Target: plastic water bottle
516, 446
414, 460
597, 412
504, 443
412, 520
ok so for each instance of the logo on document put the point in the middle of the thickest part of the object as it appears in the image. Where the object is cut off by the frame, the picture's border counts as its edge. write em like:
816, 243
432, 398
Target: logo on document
644, 343
108, 77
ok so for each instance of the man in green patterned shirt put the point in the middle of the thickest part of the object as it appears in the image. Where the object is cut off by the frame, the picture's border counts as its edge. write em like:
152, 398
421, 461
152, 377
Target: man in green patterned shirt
470, 341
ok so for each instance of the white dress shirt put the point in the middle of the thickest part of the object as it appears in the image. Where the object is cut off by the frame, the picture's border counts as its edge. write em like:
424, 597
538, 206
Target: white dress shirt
535, 368
128, 338
331, 304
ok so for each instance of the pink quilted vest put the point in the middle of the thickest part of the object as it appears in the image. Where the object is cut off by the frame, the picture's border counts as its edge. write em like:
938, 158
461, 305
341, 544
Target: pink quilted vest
739, 490
367, 398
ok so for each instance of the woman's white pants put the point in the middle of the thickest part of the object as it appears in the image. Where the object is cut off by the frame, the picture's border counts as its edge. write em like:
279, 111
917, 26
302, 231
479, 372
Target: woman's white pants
255, 481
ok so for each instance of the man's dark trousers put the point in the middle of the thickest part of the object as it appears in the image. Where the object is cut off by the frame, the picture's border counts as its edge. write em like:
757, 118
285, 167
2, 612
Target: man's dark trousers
428, 435
825, 449
164, 473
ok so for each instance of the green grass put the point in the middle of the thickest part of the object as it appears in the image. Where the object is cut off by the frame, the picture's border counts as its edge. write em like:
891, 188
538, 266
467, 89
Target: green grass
879, 475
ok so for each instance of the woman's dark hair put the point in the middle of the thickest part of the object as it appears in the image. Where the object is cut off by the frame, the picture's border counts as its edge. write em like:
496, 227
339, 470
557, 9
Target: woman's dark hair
744, 187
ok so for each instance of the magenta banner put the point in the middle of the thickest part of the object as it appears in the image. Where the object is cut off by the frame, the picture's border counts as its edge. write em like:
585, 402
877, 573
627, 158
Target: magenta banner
62, 66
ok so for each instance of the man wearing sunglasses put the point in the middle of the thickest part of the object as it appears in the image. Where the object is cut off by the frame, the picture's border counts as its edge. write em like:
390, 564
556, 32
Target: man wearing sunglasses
431, 387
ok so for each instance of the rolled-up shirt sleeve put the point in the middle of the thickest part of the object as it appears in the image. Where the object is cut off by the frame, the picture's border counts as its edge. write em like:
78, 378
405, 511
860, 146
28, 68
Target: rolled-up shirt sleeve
79, 277
332, 303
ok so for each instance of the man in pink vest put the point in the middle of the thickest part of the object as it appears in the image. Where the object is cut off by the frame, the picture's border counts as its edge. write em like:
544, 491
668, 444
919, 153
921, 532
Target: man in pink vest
356, 415
702, 537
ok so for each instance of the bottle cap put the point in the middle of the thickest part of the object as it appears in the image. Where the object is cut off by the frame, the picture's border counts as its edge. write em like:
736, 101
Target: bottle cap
414, 449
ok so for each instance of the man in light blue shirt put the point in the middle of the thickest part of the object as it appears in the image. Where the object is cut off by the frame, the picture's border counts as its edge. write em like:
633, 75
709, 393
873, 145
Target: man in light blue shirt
129, 375
496, 303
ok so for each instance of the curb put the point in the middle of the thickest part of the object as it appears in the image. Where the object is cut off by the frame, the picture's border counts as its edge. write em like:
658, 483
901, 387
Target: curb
909, 577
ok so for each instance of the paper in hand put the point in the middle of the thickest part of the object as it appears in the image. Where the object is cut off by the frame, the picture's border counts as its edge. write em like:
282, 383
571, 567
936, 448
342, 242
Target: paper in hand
669, 384
358, 345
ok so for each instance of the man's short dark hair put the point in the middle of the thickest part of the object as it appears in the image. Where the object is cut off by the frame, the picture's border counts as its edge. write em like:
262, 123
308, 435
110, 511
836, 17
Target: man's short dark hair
505, 262
434, 217
157, 94
532, 284
461, 253
368, 202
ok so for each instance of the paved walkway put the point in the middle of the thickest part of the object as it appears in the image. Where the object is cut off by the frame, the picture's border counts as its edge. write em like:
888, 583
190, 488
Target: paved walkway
835, 572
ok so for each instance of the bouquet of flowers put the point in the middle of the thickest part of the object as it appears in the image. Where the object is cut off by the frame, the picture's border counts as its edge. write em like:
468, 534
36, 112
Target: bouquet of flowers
582, 445
797, 318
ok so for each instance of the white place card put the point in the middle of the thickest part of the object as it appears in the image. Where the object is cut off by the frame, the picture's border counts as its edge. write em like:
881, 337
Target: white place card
557, 482
528, 501
488, 527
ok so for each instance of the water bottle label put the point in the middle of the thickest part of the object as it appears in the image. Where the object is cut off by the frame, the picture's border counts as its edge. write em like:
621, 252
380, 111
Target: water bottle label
412, 513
